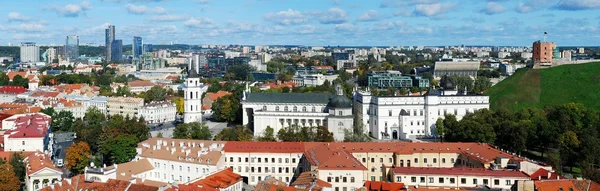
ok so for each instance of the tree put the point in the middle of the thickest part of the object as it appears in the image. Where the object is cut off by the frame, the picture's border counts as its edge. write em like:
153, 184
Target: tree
323, 135
18, 80
181, 131
179, 104
62, 121
250, 78
200, 131
48, 111
240, 71
481, 84
236, 133
226, 108
439, 129
4, 80
16, 161
94, 116
159, 135
268, 135
77, 157
106, 91
8, 179
122, 148
156, 93
123, 91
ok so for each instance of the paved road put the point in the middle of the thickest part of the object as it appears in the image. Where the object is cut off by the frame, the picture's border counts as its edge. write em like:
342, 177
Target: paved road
167, 128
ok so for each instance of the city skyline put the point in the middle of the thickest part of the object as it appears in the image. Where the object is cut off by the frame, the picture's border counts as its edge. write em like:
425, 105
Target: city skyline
313, 23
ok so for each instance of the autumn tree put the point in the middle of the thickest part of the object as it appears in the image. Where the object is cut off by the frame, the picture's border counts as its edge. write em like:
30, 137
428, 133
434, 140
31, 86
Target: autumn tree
179, 105
226, 108
77, 157
8, 178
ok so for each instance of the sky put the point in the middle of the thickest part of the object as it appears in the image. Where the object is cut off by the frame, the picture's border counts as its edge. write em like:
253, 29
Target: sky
305, 22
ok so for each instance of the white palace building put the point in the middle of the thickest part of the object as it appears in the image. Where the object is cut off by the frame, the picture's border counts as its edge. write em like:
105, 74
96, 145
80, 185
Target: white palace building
409, 117
280, 110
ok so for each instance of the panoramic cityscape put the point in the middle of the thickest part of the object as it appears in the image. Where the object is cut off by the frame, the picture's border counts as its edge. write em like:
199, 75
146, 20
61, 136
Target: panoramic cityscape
308, 95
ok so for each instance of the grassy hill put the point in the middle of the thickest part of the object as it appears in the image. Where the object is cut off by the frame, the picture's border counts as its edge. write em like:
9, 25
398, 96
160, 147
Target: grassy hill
540, 87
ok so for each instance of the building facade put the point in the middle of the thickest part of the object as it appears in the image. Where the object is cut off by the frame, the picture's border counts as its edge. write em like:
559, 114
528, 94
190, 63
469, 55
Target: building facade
30, 52
124, 106
281, 110
543, 53
409, 117
159, 112
460, 68
72, 47
395, 79
109, 38
116, 51
137, 47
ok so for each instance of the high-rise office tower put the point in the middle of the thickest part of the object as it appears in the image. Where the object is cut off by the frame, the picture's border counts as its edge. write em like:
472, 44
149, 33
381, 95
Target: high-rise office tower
148, 48
110, 37
72, 47
51, 54
116, 52
137, 47
30, 52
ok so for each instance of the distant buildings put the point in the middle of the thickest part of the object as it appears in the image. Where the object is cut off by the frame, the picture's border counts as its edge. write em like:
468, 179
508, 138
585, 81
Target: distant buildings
464, 68
72, 47
30, 52
50, 55
159, 112
137, 47
124, 106
116, 51
109, 38
394, 79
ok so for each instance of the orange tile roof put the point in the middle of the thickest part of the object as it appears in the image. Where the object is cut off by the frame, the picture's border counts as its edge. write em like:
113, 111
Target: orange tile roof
126, 171
182, 150
138, 83
12, 90
38, 161
586, 185
307, 179
219, 180
12, 75
112, 184
326, 157
554, 185
217, 95
276, 85
45, 94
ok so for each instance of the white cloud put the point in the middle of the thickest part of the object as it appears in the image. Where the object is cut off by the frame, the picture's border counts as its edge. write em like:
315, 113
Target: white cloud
430, 10
370, 15
344, 27
493, 8
203, 1
168, 18
574, 5
533, 5
386, 25
72, 10
15, 16
332, 16
288, 17
200, 23
392, 3
25, 27
140, 10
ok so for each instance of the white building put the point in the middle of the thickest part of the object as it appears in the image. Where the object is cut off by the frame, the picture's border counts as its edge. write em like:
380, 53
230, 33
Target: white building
457, 177
159, 112
192, 94
179, 160
503, 54
461, 68
124, 106
30, 52
409, 117
257, 160
8, 94
312, 79
40, 172
26, 132
280, 110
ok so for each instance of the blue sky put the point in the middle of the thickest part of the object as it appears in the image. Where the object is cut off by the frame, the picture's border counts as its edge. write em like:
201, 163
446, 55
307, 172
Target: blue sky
305, 22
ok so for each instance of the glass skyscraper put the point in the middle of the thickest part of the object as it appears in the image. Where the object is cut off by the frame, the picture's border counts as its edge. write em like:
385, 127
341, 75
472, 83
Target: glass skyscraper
72, 47
109, 37
137, 47
116, 51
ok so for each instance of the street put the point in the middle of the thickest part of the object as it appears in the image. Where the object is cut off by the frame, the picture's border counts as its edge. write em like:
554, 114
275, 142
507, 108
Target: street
167, 128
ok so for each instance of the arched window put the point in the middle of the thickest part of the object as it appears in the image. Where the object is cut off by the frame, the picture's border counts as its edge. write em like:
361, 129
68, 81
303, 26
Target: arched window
264, 108
276, 108
295, 109
285, 108
304, 109
314, 109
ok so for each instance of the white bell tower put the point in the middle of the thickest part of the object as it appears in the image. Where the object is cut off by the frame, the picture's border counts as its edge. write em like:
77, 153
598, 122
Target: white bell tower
192, 98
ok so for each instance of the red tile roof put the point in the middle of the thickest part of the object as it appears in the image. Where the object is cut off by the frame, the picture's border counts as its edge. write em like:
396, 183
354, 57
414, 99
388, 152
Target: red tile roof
39, 161
554, 185
45, 94
216, 96
138, 83
543, 174
12, 90
383, 186
307, 179
586, 185
326, 157
459, 171
12, 75
264, 147
279, 85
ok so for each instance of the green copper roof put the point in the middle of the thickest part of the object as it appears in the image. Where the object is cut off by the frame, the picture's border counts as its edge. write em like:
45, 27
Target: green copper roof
320, 98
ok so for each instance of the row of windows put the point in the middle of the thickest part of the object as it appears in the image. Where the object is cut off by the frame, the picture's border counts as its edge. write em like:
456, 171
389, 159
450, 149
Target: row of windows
252, 178
267, 170
294, 109
338, 179
442, 180
302, 121
416, 160
157, 175
266, 160
181, 169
